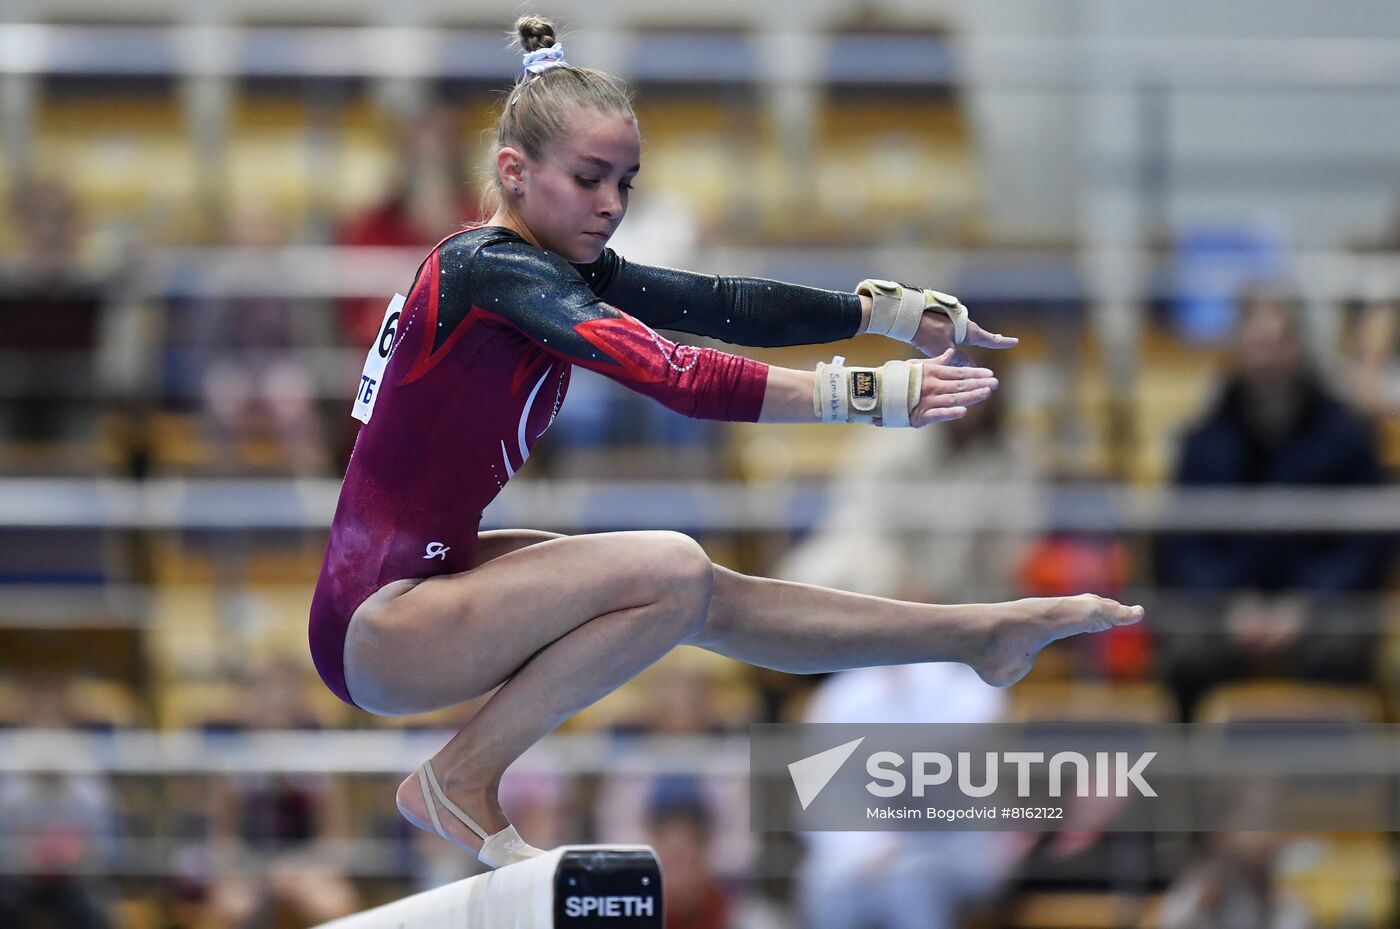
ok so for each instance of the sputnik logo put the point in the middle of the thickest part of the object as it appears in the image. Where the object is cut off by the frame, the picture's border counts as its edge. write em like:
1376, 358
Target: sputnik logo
810, 775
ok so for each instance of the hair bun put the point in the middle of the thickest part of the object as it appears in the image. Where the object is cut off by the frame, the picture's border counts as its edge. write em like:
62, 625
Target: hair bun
535, 33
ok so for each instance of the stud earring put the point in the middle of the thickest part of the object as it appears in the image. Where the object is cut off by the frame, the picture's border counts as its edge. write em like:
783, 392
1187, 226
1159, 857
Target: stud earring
516, 189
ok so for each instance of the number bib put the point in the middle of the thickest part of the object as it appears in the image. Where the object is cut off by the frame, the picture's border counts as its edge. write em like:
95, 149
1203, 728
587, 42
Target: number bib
376, 360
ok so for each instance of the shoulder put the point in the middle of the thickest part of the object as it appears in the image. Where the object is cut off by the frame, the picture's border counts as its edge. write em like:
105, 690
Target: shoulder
1341, 427
1221, 419
494, 255
1337, 413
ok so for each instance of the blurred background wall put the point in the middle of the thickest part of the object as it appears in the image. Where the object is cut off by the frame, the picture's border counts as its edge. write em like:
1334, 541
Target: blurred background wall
1187, 212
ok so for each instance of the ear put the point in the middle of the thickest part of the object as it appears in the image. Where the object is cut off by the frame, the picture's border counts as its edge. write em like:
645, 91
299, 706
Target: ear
510, 166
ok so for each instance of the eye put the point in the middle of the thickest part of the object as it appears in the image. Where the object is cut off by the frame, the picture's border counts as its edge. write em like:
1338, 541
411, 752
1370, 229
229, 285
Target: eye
625, 186
589, 182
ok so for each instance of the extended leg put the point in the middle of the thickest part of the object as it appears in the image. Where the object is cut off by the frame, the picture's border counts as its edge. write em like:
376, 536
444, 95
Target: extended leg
805, 629
568, 620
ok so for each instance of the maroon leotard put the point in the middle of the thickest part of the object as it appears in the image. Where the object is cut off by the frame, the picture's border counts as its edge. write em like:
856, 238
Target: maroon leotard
478, 368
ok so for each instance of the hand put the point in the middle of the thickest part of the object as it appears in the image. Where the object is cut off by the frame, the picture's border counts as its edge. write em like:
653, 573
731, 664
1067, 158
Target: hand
1375, 332
935, 336
1286, 618
1247, 622
947, 389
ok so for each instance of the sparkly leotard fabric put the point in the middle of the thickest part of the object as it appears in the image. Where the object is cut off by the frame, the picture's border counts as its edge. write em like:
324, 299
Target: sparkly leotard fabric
478, 370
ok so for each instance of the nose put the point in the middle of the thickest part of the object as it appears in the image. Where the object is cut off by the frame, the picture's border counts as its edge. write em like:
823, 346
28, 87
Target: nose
611, 204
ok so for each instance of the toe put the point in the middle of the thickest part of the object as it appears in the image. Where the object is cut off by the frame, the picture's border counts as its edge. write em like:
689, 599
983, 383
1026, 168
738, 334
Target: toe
1127, 615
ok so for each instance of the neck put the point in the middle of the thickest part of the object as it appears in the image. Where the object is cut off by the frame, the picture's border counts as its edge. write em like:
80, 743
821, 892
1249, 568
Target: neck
504, 217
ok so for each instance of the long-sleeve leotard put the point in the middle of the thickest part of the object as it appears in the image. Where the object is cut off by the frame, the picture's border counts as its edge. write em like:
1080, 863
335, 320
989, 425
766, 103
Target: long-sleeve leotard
478, 369
739, 310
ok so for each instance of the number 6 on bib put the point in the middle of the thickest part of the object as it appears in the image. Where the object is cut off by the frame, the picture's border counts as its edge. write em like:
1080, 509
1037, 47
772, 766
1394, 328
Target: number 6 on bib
376, 360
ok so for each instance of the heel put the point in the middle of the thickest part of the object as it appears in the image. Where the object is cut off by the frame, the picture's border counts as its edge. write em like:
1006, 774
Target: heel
498, 850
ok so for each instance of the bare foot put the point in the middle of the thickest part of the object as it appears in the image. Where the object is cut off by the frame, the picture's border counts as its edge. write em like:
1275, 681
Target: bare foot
1011, 648
479, 803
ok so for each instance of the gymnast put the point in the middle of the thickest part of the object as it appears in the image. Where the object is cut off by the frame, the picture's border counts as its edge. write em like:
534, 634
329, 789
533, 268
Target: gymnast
416, 609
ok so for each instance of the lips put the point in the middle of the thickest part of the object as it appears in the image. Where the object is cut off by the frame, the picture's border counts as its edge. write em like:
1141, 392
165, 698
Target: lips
603, 236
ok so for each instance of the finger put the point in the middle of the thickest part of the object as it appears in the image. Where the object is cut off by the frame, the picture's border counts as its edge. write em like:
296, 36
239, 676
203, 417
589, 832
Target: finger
929, 417
991, 340
944, 358
950, 373
961, 398
936, 385
982, 338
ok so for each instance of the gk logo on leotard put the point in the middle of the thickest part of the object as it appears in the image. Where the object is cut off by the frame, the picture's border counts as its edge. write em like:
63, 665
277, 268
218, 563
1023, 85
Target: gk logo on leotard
437, 550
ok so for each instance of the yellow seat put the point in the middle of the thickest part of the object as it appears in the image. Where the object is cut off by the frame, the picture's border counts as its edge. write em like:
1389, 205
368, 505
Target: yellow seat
1290, 701
11, 704
103, 703
137, 913
1091, 701
1077, 911
1343, 879
202, 704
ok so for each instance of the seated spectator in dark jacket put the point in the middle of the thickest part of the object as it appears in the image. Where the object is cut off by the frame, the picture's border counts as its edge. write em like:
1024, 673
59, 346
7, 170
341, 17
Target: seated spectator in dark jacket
1273, 604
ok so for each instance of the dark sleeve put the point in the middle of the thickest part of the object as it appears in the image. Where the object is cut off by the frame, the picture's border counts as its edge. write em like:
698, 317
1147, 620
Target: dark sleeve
543, 296
1203, 562
1344, 562
740, 310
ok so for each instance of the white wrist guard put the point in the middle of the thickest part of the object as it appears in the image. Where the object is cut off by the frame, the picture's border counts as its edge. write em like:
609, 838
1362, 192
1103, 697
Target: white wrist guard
885, 396
895, 310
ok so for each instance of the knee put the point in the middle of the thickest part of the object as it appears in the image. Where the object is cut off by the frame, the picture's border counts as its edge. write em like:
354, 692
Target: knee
688, 574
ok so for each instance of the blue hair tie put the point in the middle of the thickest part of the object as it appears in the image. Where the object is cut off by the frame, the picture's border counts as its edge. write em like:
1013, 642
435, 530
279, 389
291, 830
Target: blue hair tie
542, 59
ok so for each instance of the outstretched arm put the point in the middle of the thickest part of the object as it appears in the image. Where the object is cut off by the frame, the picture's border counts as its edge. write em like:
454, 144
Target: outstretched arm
758, 312
545, 299
740, 310
945, 391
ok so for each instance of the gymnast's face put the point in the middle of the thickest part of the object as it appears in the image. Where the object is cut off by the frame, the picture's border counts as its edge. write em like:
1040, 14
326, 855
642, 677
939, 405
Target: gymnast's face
573, 198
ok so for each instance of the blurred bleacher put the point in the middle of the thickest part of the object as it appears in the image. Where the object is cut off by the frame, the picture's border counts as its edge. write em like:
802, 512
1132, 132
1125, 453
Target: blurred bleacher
198, 165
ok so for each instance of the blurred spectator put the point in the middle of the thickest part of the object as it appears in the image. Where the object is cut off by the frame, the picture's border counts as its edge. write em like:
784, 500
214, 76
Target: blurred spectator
992, 470
903, 880
426, 201
679, 827
271, 832
60, 833
1371, 376
680, 701
916, 879
852, 548
1281, 604
255, 386
52, 313
1234, 887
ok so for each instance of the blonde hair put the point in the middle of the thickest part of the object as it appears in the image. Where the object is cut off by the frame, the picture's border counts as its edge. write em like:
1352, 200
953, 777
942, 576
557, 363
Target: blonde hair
534, 115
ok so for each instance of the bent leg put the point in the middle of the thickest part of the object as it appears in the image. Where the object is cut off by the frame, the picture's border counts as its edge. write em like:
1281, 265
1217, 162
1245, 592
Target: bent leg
493, 543
561, 621
420, 645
